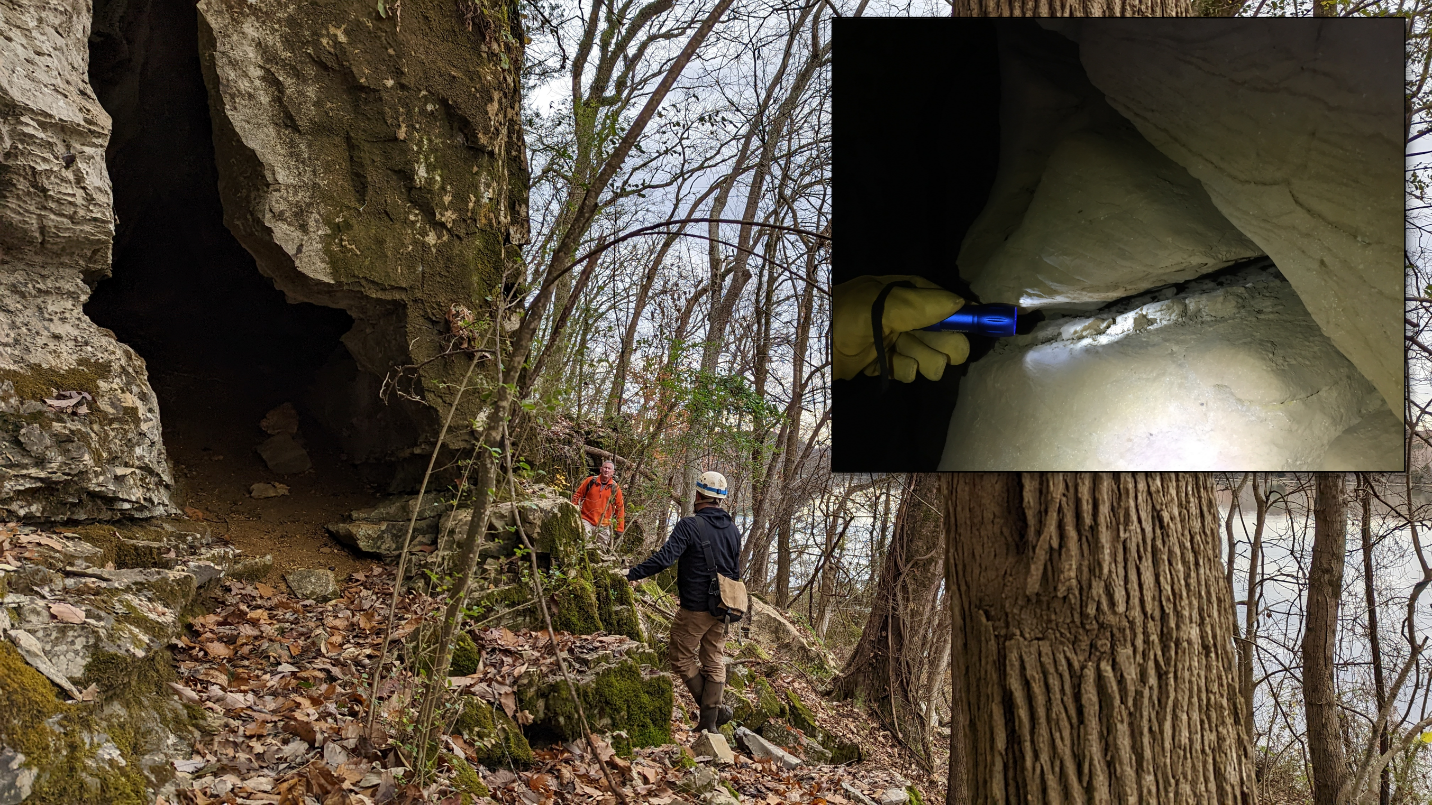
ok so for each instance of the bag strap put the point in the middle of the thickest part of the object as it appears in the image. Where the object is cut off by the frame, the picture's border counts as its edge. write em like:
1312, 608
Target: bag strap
714, 589
877, 327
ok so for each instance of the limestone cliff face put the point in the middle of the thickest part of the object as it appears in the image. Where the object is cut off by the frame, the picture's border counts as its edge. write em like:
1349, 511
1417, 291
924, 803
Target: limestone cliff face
56, 225
373, 163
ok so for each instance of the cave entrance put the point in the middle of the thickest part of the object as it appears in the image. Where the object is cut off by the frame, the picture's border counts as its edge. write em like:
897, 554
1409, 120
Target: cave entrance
222, 344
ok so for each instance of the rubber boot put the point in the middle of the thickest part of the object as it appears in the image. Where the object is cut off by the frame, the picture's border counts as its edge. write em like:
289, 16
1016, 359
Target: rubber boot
713, 712
696, 684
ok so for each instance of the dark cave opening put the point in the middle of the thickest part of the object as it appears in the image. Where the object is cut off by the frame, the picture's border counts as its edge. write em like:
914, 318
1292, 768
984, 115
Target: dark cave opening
222, 344
915, 151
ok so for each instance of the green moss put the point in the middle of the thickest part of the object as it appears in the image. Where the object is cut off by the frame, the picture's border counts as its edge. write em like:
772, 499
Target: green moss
29, 700
915, 798
753, 651
497, 739
38, 382
575, 608
801, 716
618, 698
767, 700
684, 759
737, 677
465, 656
56, 739
616, 606
621, 744
728, 731
731, 789
466, 780
563, 538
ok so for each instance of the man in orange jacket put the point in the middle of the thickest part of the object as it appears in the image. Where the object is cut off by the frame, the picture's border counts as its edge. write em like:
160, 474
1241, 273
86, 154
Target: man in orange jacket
600, 500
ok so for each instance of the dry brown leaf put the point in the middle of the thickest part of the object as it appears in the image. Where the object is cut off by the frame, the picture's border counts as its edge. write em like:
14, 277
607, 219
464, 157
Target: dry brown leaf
217, 649
67, 613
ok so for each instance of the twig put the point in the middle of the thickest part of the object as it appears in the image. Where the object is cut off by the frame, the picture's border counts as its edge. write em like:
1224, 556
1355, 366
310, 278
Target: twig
547, 619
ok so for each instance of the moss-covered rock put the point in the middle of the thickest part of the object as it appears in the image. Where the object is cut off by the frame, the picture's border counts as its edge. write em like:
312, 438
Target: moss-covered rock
801, 716
465, 656
76, 753
575, 607
497, 739
767, 699
753, 651
466, 780
616, 606
616, 697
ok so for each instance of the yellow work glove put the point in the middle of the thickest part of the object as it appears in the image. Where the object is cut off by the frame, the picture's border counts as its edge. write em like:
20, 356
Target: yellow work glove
906, 347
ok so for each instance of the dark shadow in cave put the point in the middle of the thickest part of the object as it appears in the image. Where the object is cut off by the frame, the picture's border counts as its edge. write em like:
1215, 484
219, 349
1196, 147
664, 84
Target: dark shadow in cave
222, 345
904, 89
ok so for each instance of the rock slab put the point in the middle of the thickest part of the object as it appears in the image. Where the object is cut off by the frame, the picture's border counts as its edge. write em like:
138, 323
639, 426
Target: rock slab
714, 746
315, 584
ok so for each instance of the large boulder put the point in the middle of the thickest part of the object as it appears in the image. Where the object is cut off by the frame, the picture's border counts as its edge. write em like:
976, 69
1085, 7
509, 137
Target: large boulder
1236, 375
772, 630
372, 161
56, 224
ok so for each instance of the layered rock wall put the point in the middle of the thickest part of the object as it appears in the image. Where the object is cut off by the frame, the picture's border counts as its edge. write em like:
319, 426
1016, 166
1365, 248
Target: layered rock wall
56, 225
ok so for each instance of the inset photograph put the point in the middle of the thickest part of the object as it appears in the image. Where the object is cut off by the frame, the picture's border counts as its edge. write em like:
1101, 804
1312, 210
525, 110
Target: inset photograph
1118, 244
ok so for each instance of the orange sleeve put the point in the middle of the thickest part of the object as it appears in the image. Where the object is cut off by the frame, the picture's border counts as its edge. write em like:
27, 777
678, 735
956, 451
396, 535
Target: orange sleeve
577, 493
620, 509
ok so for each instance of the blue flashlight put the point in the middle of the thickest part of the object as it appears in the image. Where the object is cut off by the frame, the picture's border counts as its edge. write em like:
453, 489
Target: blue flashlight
996, 320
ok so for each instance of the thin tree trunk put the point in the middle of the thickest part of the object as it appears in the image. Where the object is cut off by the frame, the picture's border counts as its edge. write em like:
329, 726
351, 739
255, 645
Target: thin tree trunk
1325, 583
1247, 646
1097, 662
1384, 790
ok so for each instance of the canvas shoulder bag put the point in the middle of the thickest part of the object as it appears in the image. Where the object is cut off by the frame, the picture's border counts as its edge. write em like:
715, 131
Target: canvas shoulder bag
728, 596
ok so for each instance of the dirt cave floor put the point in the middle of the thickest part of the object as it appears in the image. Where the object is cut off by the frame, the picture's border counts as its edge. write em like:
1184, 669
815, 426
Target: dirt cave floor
211, 431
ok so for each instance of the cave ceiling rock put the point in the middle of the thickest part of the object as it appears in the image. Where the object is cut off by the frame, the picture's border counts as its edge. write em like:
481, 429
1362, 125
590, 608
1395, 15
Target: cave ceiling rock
1212, 378
1295, 129
372, 166
56, 227
1083, 209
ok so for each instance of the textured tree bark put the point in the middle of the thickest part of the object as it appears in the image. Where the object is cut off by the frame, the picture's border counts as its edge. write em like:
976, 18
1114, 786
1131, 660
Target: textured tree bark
1325, 583
1097, 661
901, 621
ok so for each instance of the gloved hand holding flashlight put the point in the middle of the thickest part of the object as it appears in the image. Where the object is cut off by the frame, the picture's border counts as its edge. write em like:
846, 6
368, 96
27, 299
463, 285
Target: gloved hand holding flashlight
922, 326
906, 311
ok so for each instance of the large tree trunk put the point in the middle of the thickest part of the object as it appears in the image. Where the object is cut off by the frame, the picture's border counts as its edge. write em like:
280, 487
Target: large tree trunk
1097, 660
901, 618
1325, 583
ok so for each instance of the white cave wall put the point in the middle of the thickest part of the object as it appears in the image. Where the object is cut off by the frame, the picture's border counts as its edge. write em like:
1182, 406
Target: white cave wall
1214, 378
1197, 145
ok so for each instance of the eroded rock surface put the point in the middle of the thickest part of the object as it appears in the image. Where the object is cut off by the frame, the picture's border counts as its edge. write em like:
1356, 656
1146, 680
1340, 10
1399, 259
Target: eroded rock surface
1220, 375
56, 223
1296, 132
1084, 209
373, 163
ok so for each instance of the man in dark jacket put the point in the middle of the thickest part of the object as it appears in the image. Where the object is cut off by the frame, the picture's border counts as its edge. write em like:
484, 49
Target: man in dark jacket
697, 634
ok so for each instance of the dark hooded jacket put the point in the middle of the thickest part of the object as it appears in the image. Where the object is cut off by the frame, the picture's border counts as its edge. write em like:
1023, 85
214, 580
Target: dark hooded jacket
693, 576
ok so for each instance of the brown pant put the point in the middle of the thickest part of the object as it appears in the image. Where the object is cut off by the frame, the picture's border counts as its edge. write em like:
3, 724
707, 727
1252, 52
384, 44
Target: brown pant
693, 632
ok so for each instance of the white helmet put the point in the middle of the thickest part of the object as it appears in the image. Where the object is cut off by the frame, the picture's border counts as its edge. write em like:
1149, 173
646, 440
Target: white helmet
712, 485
